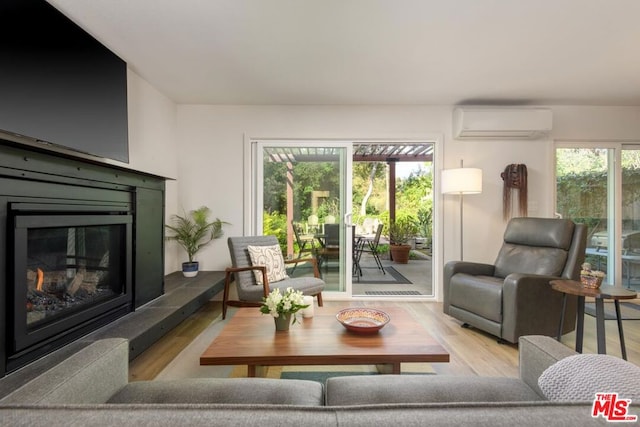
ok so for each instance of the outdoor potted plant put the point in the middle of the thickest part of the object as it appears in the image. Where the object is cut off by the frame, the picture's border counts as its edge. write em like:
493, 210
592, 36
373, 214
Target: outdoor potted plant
400, 232
333, 208
193, 231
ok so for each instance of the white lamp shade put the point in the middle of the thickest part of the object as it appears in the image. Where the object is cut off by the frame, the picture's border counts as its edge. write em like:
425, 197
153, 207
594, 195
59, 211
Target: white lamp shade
461, 181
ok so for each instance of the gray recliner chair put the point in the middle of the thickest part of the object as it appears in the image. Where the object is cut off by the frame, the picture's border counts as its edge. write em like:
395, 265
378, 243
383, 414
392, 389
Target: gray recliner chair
250, 293
513, 296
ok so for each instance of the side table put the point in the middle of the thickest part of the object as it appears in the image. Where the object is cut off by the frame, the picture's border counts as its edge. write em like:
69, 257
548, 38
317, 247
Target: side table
572, 287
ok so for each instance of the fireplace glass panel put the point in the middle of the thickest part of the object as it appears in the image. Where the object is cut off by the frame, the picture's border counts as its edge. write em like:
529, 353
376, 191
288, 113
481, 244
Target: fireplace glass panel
71, 268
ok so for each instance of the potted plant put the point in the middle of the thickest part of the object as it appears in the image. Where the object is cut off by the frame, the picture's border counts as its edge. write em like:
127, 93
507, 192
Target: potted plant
193, 231
283, 307
400, 232
332, 207
423, 237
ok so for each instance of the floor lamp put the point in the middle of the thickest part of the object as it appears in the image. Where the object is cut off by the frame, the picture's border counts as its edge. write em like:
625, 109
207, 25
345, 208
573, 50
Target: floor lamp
461, 181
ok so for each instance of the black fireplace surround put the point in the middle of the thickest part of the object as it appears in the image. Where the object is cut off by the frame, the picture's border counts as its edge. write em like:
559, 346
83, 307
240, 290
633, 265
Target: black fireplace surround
82, 245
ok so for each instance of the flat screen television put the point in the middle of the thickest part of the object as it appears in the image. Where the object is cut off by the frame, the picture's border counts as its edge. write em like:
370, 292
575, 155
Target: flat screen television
58, 84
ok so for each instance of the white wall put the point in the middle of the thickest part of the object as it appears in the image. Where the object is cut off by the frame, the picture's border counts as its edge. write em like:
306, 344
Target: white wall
152, 145
211, 159
202, 148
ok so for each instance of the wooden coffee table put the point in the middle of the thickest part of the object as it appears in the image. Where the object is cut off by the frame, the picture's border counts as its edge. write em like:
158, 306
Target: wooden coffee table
249, 338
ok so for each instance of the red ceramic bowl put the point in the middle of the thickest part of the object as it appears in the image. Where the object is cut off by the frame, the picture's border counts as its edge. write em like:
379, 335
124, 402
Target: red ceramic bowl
363, 320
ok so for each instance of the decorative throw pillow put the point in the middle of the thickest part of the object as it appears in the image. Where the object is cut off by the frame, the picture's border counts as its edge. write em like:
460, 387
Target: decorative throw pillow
580, 377
270, 257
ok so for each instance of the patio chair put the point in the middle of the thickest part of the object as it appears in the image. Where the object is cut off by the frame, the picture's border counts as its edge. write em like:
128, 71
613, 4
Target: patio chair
372, 247
357, 246
305, 243
254, 280
330, 246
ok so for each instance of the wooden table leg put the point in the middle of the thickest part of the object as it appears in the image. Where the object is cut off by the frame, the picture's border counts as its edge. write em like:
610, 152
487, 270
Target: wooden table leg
623, 348
600, 331
580, 325
388, 368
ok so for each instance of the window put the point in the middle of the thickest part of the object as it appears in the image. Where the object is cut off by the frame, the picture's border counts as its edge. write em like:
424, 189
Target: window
600, 187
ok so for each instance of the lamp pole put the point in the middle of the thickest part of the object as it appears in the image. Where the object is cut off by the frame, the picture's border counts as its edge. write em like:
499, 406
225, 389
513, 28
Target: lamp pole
461, 219
462, 181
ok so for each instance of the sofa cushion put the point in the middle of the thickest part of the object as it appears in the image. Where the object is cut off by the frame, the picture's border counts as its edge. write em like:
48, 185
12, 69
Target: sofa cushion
385, 389
495, 414
486, 291
270, 257
223, 390
580, 377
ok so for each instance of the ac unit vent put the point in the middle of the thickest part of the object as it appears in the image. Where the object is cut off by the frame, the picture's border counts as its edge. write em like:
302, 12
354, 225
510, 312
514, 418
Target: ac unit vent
501, 123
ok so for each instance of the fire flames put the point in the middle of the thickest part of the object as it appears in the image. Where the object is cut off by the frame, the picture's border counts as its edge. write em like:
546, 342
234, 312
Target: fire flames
40, 279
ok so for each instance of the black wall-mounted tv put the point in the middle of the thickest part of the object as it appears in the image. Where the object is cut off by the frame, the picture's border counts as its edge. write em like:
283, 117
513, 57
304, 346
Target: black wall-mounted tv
58, 84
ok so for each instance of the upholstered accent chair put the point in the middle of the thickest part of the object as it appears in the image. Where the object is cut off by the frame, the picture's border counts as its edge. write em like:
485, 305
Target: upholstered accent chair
513, 296
256, 278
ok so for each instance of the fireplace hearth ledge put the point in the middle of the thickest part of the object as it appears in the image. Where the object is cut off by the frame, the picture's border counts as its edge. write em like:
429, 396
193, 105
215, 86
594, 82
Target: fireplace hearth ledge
182, 297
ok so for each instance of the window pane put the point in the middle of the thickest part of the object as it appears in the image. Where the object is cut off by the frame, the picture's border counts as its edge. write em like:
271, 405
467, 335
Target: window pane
582, 194
631, 217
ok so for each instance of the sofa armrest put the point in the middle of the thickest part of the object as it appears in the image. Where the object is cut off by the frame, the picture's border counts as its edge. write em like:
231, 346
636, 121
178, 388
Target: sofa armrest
537, 353
92, 375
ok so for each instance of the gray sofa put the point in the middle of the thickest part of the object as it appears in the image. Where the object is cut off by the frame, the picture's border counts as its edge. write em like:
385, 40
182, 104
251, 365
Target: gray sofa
91, 388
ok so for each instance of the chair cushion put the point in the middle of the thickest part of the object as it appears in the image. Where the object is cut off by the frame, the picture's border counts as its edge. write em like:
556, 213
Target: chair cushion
580, 377
308, 285
530, 260
535, 246
544, 232
270, 257
481, 295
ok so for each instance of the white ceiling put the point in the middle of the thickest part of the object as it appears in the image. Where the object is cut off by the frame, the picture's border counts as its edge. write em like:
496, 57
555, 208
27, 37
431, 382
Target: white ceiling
324, 52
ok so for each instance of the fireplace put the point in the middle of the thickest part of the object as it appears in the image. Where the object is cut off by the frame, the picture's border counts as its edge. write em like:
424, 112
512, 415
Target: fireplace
71, 269
68, 267
81, 245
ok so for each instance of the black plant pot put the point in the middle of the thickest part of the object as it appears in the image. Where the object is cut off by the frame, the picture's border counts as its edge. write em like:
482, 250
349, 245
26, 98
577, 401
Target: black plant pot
190, 269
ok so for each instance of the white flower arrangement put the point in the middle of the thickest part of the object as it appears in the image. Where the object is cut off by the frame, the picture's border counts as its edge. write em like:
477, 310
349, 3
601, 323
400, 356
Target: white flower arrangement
277, 304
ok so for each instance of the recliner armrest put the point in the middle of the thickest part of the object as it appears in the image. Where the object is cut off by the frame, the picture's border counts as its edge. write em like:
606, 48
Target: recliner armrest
455, 267
472, 268
533, 308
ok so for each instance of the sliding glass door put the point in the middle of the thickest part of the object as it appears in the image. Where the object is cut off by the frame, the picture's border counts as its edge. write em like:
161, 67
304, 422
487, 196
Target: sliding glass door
600, 186
304, 199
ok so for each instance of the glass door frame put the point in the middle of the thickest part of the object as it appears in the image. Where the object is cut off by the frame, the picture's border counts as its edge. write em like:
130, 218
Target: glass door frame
250, 184
254, 215
614, 200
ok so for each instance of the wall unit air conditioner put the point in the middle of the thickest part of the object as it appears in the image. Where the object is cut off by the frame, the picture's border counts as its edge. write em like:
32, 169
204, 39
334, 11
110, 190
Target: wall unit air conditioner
501, 123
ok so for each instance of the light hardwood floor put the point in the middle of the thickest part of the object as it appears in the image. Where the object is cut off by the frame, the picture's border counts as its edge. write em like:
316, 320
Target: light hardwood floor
473, 352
